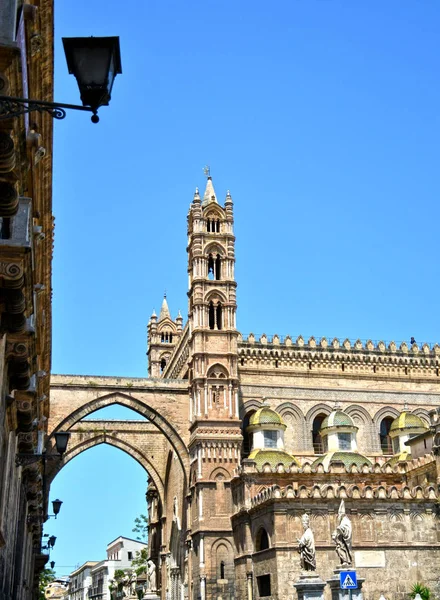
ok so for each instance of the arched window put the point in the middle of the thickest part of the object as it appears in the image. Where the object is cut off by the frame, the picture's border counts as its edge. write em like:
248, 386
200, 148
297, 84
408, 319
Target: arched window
385, 440
262, 540
211, 316
218, 267
222, 569
163, 364
219, 316
318, 447
211, 267
214, 267
217, 226
247, 437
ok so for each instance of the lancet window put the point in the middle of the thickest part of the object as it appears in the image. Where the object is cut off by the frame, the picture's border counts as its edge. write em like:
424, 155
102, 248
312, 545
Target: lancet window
385, 440
214, 267
213, 225
166, 337
215, 316
318, 447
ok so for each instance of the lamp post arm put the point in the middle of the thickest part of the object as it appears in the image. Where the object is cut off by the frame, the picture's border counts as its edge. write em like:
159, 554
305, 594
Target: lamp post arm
11, 106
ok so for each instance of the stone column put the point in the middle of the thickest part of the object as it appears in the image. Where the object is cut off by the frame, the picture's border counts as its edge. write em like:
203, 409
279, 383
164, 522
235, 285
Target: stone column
203, 587
249, 586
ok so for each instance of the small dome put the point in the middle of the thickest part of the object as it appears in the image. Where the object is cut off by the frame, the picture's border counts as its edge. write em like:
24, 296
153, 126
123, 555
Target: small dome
273, 457
407, 420
266, 416
337, 418
347, 458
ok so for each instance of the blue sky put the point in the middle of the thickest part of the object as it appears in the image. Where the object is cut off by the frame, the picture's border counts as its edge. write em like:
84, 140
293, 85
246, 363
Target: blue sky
321, 117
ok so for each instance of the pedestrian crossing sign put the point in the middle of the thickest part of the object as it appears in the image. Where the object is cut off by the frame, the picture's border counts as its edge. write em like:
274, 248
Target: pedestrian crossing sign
348, 580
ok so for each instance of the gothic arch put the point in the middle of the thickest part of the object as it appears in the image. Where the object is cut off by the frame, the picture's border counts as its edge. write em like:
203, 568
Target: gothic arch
386, 411
294, 436
423, 414
215, 295
248, 406
217, 371
104, 438
310, 417
138, 406
219, 471
315, 411
364, 438
215, 248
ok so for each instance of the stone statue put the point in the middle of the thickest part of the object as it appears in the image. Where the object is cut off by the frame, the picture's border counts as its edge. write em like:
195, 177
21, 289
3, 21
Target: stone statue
151, 574
129, 583
342, 537
306, 546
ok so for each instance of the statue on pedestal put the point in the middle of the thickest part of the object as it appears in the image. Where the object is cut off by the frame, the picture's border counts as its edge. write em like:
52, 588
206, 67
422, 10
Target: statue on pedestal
306, 546
151, 576
342, 537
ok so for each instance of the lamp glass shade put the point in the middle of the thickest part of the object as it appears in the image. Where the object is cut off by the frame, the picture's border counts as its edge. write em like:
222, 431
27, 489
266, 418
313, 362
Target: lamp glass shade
95, 62
61, 439
56, 505
51, 541
52, 564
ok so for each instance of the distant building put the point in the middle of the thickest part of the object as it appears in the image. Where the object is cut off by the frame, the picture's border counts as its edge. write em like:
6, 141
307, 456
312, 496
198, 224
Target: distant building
80, 581
93, 578
57, 588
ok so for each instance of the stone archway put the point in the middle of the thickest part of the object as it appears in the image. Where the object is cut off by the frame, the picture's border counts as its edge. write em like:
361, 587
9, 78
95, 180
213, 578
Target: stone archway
89, 434
165, 405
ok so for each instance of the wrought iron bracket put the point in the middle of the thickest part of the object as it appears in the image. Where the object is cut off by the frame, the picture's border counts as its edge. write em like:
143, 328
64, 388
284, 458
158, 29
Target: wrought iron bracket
11, 107
23, 459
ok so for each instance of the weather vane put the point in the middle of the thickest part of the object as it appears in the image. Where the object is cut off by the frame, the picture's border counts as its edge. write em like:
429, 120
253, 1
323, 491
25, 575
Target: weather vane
207, 171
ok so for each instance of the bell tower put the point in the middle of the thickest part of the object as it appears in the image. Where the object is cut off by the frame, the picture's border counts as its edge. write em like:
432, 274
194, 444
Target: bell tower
215, 441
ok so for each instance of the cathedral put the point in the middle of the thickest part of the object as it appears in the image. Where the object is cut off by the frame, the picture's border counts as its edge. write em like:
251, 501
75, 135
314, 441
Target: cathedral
279, 427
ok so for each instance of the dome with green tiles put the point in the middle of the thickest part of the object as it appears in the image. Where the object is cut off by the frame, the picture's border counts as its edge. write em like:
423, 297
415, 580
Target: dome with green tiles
347, 458
274, 457
398, 458
337, 418
407, 420
266, 416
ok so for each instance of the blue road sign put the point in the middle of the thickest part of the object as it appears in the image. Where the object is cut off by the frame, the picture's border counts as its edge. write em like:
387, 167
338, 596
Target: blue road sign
348, 580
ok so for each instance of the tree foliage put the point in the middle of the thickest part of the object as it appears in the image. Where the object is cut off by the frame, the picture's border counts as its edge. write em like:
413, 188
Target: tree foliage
139, 563
141, 528
46, 576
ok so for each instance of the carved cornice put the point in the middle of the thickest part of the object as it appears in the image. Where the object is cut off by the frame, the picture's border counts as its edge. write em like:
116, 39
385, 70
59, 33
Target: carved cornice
360, 491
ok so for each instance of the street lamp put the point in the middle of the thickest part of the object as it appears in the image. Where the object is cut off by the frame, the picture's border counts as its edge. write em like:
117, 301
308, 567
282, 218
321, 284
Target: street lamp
61, 439
95, 62
56, 505
24, 458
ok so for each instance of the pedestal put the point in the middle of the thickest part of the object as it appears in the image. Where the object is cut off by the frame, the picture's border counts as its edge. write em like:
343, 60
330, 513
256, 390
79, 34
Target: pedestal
310, 586
335, 587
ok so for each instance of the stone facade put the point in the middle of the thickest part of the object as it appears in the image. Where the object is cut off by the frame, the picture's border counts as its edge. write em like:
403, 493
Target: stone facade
26, 240
224, 517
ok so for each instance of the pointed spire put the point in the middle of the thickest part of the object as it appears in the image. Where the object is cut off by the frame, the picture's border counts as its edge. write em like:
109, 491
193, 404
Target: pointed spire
164, 310
196, 198
209, 195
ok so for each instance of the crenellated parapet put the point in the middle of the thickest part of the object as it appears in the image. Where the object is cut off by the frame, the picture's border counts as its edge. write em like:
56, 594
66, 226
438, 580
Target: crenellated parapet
344, 356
